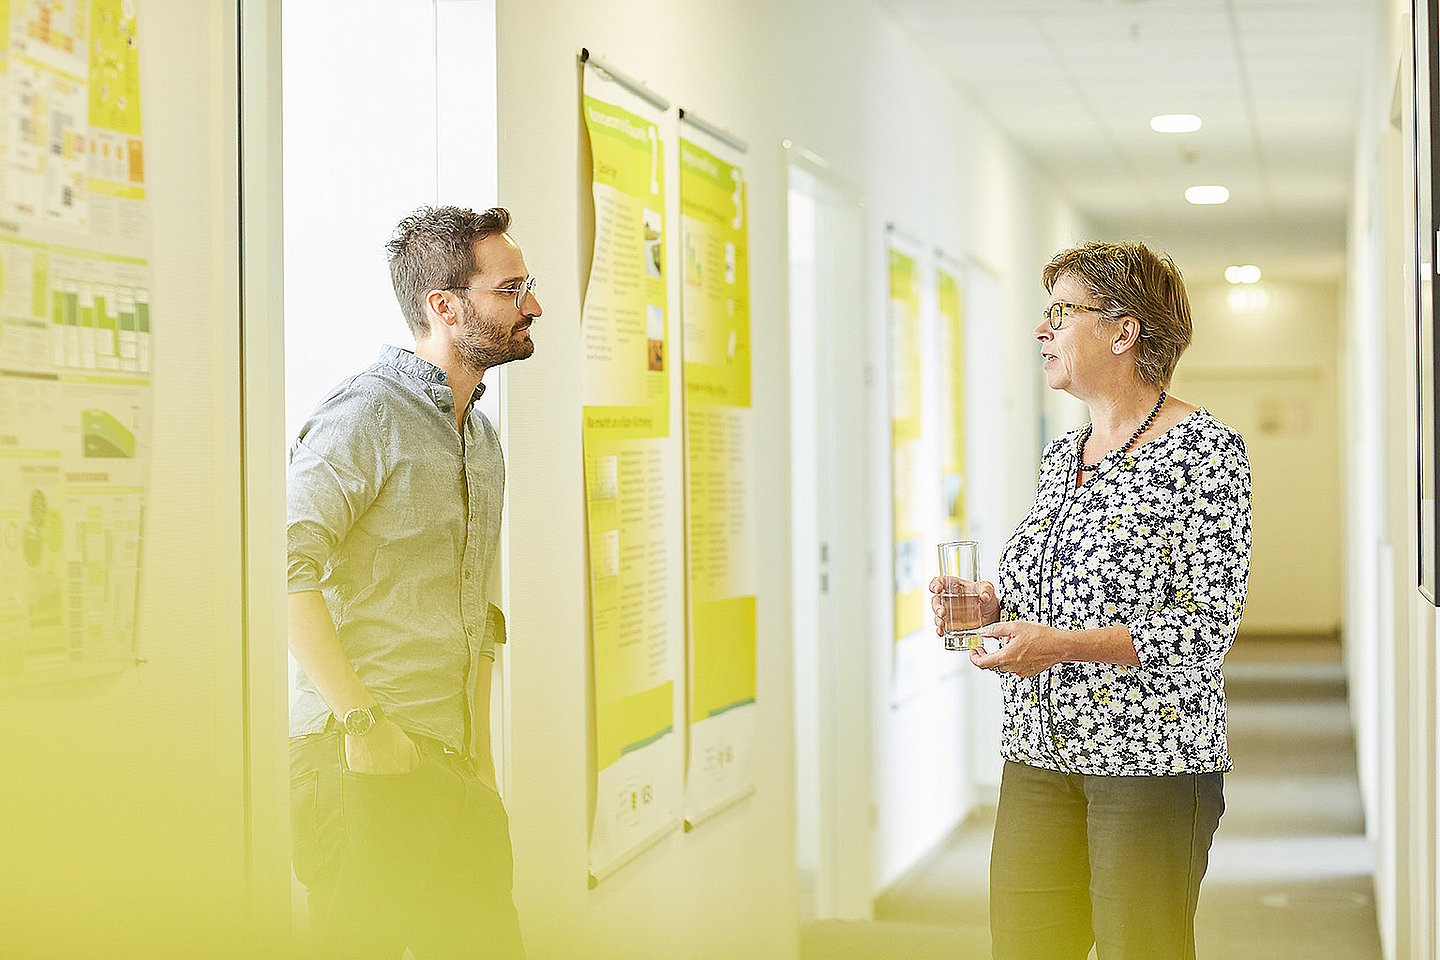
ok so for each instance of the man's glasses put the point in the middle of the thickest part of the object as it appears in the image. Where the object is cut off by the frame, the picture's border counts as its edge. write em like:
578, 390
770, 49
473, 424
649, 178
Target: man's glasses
1060, 311
519, 291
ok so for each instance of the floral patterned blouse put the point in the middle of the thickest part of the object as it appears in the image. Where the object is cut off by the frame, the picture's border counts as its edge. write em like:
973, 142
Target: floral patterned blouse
1160, 541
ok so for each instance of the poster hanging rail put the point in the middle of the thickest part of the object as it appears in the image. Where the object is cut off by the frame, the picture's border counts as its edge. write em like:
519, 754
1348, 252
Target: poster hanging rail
724, 136
744, 794
906, 238
956, 264
625, 80
601, 874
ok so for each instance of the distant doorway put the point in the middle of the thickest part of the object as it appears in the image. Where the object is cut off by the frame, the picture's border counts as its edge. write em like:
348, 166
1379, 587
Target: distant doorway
831, 580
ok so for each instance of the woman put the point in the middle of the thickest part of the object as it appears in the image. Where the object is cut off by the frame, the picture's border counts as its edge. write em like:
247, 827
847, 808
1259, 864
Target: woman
1119, 594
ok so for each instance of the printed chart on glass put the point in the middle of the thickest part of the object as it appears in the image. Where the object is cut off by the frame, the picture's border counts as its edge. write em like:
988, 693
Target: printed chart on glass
633, 486
719, 438
75, 347
920, 449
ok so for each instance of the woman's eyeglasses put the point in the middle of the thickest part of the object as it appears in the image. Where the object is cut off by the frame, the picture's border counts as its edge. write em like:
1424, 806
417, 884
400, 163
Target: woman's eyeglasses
1060, 311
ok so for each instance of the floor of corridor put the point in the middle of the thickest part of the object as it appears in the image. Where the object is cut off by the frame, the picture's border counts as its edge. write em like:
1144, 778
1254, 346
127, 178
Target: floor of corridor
1290, 871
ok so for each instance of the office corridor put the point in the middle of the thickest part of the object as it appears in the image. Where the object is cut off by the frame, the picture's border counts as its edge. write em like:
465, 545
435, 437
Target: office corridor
1290, 871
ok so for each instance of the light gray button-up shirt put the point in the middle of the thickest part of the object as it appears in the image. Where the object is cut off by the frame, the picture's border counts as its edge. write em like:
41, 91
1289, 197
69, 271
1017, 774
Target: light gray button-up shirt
394, 516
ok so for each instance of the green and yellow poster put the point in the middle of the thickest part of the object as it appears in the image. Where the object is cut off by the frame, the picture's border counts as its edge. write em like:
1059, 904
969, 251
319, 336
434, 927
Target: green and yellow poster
913, 562
632, 481
952, 337
75, 338
719, 425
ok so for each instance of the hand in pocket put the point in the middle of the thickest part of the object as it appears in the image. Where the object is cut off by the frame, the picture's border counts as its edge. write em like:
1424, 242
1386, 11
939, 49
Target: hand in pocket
384, 750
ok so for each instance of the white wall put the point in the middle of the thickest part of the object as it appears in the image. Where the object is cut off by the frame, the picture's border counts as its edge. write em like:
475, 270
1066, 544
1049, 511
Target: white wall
415, 125
1389, 628
354, 165
856, 92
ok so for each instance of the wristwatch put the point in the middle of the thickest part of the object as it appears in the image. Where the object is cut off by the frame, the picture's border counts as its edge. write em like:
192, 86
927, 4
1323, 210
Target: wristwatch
358, 720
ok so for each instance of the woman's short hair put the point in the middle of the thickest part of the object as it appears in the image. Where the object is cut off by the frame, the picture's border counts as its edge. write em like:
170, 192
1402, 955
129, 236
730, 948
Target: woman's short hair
432, 249
1130, 280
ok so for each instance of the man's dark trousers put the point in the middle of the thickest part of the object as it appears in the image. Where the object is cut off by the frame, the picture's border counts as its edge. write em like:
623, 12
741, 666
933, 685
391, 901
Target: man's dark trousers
419, 859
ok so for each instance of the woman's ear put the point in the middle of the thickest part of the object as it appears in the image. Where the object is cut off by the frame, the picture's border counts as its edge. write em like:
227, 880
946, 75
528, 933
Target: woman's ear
1125, 338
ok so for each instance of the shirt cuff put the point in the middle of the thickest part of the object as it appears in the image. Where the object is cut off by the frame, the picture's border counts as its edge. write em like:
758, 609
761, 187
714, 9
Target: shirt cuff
301, 574
495, 624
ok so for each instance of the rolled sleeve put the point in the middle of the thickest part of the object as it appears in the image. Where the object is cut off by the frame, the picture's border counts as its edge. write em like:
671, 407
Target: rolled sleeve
336, 468
1208, 553
494, 631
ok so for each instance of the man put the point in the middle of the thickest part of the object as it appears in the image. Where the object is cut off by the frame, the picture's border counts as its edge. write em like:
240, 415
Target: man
395, 487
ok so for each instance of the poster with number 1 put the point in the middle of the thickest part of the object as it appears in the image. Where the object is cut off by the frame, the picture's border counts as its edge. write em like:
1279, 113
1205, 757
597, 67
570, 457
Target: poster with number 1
632, 483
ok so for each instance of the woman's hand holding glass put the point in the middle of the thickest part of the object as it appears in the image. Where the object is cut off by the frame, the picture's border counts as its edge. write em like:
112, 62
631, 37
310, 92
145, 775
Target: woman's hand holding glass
1025, 649
960, 604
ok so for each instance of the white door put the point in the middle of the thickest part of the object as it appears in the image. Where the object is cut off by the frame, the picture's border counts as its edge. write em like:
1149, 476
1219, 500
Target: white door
831, 568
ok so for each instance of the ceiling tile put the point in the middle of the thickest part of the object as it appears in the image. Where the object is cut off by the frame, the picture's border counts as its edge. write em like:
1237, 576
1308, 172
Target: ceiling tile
1074, 83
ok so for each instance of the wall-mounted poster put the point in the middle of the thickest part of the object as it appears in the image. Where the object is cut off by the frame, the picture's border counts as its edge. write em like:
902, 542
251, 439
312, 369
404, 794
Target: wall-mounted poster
719, 438
632, 481
912, 562
927, 428
75, 338
951, 309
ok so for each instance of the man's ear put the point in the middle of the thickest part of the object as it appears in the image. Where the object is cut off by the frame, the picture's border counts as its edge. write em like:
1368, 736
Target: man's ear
1125, 338
438, 306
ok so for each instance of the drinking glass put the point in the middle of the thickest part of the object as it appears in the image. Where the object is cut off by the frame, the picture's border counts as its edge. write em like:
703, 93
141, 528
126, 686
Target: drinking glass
960, 593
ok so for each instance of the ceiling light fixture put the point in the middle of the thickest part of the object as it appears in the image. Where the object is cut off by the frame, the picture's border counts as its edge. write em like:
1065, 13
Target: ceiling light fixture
1207, 194
1175, 123
1249, 273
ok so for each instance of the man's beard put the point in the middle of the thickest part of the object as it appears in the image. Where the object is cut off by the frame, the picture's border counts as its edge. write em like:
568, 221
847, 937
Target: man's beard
482, 347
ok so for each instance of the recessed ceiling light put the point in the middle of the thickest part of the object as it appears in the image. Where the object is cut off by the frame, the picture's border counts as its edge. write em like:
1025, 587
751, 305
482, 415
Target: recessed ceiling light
1207, 193
1175, 123
1249, 273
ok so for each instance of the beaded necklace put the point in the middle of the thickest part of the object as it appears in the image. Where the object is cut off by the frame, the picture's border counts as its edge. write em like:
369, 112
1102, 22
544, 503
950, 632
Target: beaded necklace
1080, 448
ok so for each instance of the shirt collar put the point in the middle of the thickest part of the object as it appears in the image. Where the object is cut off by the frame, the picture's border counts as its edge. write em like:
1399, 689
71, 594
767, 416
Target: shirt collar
406, 362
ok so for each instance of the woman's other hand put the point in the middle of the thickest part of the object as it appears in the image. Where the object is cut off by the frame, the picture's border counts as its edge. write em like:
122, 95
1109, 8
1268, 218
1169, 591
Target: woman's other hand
945, 608
1026, 648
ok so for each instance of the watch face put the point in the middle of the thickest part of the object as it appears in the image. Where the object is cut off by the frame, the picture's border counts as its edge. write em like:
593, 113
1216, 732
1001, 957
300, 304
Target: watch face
358, 722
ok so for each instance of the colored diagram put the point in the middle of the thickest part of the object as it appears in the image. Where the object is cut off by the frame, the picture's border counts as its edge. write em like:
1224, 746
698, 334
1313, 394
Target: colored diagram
104, 436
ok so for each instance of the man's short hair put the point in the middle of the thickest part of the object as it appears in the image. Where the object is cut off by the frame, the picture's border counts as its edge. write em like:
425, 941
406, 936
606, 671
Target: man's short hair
1131, 280
432, 249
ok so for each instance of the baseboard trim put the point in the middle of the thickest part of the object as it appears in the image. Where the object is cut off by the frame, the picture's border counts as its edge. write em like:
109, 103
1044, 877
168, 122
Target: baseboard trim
1331, 635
